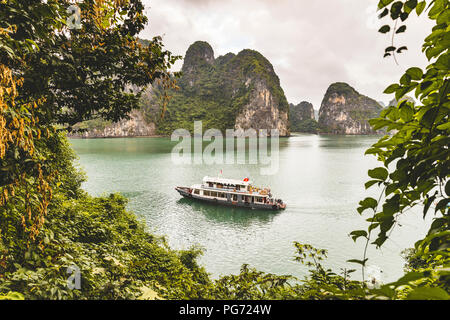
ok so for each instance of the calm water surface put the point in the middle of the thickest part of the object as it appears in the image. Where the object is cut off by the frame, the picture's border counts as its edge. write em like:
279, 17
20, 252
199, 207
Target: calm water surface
321, 178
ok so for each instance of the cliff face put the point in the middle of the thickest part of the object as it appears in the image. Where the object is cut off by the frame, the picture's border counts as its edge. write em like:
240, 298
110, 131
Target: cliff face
345, 111
231, 92
134, 127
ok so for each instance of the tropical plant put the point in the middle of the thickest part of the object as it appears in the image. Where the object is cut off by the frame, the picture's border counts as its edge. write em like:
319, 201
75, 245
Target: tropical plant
415, 155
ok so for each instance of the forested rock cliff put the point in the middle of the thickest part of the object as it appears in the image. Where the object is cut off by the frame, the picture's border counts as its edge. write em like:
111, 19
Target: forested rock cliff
345, 111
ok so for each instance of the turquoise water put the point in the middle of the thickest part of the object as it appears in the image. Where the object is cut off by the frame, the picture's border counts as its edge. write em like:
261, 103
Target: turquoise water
321, 178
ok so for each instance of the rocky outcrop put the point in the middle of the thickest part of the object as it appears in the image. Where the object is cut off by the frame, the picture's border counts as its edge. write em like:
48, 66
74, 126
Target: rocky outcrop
262, 111
303, 111
345, 111
136, 126
231, 92
266, 107
302, 117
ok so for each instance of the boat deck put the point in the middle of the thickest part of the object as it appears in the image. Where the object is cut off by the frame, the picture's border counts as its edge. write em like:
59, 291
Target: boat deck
231, 190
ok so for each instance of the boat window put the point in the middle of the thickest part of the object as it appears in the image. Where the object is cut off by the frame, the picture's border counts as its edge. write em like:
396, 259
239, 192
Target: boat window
196, 191
237, 187
213, 194
234, 197
206, 193
210, 184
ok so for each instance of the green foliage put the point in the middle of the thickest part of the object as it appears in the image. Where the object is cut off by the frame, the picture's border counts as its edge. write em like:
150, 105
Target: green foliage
322, 283
251, 284
307, 126
53, 75
301, 118
115, 254
12, 296
416, 159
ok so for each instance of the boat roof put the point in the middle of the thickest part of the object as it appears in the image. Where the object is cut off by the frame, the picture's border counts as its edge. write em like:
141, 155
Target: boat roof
226, 181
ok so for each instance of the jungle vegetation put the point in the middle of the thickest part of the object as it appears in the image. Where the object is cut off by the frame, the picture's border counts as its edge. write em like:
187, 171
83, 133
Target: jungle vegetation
52, 77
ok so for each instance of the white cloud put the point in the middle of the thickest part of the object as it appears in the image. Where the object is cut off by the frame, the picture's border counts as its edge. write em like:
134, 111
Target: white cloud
310, 43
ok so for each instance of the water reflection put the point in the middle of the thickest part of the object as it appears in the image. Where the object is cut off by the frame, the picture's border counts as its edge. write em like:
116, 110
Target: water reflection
238, 216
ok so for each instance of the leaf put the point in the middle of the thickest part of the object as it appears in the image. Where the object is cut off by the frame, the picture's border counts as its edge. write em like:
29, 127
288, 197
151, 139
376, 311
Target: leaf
424, 85
396, 9
442, 205
366, 204
411, 4
391, 188
401, 29
389, 49
392, 88
384, 3
445, 126
401, 49
424, 293
385, 29
409, 277
357, 234
415, 73
405, 79
380, 240
370, 183
361, 262
427, 203
406, 112
379, 173
438, 6
384, 13
420, 7
404, 16
429, 117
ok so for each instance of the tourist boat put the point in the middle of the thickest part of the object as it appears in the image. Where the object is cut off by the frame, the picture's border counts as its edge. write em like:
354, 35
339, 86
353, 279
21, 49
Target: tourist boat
239, 193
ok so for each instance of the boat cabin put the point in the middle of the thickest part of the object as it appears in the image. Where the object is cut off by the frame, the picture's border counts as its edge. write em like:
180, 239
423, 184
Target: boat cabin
228, 184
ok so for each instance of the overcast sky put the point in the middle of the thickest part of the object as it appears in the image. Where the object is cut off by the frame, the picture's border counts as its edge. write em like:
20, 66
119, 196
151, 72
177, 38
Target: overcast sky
311, 43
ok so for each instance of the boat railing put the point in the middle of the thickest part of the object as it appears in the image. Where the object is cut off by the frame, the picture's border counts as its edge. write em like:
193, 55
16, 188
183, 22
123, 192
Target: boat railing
252, 191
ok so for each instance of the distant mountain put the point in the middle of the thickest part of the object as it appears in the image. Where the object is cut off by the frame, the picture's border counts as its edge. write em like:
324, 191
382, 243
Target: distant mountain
302, 118
382, 104
232, 91
394, 101
345, 111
